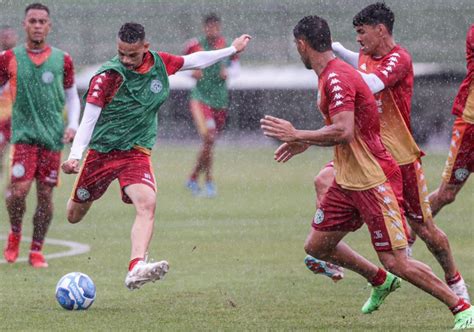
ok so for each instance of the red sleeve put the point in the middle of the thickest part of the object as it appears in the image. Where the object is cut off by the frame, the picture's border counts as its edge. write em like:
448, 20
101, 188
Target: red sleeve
103, 87
394, 68
470, 38
68, 72
192, 46
340, 94
5, 58
173, 63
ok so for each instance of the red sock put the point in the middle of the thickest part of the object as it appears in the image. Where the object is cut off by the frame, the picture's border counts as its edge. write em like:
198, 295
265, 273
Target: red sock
134, 262
379, 278
460, 306
36, 245
453, 280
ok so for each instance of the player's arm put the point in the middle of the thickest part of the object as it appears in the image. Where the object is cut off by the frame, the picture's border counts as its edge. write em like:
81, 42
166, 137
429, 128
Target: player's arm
4, 62
73, 104
346, 55
373, 81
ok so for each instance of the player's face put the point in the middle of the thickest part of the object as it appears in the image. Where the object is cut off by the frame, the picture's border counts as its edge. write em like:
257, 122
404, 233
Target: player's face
131, 55
301, 46
37, 25
8, 39
212, 30
369, 38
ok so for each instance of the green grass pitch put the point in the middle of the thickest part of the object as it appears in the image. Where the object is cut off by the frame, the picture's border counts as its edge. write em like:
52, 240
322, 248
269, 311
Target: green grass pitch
236, 261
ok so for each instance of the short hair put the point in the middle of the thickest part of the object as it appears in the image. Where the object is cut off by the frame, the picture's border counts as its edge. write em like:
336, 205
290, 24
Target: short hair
36, 5
316, 31
132, 33
377, 13
211, 18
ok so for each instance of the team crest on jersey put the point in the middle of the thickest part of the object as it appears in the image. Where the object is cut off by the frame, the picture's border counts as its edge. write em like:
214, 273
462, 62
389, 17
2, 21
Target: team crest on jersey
319, 217
18, 170
47, 77
461, 174
83, 194
156, 86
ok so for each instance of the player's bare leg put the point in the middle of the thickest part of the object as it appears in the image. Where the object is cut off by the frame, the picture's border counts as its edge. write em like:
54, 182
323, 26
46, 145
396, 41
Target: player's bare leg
322, 182
77, 211
444, 195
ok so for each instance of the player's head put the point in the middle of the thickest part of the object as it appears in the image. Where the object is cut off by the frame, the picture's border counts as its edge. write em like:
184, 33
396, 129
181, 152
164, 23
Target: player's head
212, 25
131, 45
312, 34
36, 23
373, 24
8, 37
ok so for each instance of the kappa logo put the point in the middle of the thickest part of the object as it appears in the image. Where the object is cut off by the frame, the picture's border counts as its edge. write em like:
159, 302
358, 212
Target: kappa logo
156, 86
47, 77
83, 194
319, 217
461, 174
18, 170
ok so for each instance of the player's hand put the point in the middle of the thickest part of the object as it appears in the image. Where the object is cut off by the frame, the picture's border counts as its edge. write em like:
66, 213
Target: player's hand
278, 128
70, 166
223, 73
286, 151
197, 74
68, 136
241, 42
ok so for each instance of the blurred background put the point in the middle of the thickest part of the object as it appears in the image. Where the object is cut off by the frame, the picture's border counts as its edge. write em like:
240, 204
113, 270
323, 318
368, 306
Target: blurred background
273, 81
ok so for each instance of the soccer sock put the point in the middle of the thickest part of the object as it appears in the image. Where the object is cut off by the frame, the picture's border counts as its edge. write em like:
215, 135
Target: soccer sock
36, 245
379, 278
454, 280
460, 306
134, 262
193, 177
16, 229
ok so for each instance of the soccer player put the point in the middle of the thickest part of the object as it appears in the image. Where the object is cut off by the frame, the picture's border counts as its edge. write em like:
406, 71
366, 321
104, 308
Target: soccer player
368, 182
460, 163
120, 125
8, 40
387, 69
209, 101
41, 82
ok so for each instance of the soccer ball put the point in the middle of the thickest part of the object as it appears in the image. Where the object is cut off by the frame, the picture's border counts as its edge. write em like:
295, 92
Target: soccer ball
75, 291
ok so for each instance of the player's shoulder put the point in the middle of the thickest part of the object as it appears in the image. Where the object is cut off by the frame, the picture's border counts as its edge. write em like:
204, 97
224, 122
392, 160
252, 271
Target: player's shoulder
400, 53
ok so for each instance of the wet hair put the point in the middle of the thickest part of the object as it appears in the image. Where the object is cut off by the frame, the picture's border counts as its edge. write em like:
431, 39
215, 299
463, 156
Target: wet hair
36, 5
377, 13
211, 18
132, 33
315, 30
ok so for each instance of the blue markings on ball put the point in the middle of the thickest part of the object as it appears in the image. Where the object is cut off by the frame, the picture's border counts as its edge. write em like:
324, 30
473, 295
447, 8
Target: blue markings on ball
62, 295
75, 291
87, 286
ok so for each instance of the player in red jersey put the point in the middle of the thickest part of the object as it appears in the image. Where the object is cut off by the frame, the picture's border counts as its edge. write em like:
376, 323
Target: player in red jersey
387, 69
120, 125
41, 83
209, 102
368, 182
8, 40
460, 162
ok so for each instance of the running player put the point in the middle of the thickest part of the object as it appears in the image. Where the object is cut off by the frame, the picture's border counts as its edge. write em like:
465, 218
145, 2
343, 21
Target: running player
460, 163
387, 69
368, 181
209, 102
41, 81
119, 125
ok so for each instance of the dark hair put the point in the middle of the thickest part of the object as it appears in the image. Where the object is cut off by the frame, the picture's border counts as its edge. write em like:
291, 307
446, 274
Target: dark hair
132, 33
316, 31
377, 13
36, 5
211, 18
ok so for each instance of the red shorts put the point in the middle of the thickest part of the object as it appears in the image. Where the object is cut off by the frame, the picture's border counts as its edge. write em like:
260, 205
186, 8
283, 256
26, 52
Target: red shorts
30, 162
460, 163
215, 117
346, 210
5, 132
100, 169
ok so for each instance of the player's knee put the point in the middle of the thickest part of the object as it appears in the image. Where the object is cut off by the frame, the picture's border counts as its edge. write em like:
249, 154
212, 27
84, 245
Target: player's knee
146, 208
73, 217
316, 251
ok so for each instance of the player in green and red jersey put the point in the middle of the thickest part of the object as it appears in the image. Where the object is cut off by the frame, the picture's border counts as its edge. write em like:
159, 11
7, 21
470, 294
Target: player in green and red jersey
209, 101
120, 125
41, 83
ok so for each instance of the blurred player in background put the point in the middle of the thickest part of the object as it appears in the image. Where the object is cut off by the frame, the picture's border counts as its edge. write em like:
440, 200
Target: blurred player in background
460, 163
368, 184
8, 40
388, 70
209, 102
120, 125
41, 83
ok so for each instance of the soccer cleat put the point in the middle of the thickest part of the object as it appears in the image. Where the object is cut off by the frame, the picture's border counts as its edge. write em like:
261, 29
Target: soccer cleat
193, 186
317, 266
211, 190
464, 320
37, 260
460, 289
12, 248
144, 272
379, 293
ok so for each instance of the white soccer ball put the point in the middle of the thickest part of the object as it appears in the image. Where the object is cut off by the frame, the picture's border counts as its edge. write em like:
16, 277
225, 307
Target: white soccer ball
75, 291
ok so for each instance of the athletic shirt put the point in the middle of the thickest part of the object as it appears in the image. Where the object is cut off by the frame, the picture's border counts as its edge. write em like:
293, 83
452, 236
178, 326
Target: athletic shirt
464, 101
363, 163
129, 118
395, 70
211, 89
37, 82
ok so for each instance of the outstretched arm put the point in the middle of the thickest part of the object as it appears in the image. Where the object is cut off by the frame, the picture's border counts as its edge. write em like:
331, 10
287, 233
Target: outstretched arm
346, 55
73, 106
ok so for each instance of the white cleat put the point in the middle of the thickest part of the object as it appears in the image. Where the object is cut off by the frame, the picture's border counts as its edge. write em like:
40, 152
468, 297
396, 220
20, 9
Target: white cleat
460, 289
144, 272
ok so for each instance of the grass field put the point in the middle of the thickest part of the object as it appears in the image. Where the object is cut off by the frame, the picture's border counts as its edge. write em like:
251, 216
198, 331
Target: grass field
236, 261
